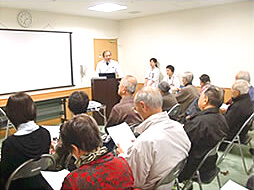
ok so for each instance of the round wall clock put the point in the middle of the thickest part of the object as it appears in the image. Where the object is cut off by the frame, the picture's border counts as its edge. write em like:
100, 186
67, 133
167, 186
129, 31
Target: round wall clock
25, 19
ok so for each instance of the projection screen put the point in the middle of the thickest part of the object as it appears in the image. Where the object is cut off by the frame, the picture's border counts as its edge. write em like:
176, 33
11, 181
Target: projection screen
34, 60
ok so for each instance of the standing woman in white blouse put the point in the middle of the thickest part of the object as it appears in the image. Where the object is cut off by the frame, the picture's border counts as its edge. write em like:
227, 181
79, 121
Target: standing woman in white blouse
152, 74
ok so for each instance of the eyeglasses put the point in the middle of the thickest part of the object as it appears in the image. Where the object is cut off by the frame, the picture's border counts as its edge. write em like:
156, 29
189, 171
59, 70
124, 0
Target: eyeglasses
134, 109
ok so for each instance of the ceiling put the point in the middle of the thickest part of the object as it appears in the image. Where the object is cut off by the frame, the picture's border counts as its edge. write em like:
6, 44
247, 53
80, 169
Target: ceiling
136, 8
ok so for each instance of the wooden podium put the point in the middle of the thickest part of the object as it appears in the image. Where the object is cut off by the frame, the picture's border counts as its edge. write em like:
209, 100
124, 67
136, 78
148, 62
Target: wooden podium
105, 92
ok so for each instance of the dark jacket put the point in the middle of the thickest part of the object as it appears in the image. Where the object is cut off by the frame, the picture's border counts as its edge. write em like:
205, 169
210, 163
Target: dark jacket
237, 114
18, 149
205, 129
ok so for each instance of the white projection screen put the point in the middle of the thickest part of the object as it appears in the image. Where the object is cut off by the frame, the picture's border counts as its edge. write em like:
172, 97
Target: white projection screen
34, 60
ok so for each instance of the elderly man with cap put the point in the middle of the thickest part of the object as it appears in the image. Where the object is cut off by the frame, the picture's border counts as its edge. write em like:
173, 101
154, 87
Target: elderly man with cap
168, 99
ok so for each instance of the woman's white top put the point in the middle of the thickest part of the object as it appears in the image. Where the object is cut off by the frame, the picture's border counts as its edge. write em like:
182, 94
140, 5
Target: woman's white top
26, 128
153, 75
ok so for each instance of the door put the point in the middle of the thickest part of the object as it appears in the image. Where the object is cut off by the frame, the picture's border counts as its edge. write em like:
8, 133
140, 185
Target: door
101, 45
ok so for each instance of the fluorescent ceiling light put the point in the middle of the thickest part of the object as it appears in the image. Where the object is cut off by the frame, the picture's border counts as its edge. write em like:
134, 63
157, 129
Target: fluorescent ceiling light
107, 7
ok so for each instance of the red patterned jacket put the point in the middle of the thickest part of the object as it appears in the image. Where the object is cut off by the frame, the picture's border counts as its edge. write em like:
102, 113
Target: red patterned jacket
107, 172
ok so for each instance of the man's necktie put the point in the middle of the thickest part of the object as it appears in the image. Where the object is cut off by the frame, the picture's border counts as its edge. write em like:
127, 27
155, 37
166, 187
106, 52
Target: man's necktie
107, 63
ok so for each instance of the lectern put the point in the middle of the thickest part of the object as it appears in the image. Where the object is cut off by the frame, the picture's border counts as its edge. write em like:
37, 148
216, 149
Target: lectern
104, 90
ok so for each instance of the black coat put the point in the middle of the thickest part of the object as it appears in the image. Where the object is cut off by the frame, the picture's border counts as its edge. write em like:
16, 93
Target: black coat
205, 129
237, 114
18, 149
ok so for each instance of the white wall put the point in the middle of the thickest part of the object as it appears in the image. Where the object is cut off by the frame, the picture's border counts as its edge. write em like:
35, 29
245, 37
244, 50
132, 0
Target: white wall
218, 41
84, 30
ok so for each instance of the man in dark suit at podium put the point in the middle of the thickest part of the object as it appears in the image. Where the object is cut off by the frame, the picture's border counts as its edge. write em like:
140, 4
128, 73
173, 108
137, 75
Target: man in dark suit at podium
108, 65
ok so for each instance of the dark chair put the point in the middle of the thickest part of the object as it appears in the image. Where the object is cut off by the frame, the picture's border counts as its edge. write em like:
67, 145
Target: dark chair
31, 167
133, 126
196, 175
174, 112
172, 175
236, 141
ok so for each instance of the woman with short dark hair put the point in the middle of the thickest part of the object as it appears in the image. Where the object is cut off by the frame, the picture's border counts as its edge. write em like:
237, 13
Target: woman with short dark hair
30, 141
152, 76
97, 168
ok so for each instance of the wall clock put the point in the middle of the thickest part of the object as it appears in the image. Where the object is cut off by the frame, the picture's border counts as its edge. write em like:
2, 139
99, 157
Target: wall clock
25, 19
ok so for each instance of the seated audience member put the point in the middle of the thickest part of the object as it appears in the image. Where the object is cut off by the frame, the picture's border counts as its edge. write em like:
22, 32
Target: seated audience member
152, 76
122, 112
193, 107
188, 94
162, 142
204, 82
168, 99
205, 130
97, 169
245, 75
30, 141
77, 103
171, 79
239, 111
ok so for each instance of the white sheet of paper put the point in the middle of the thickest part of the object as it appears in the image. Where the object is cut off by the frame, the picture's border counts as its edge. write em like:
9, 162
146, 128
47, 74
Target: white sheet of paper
225, 106
231, 185
122, 135
55, 179
54, 131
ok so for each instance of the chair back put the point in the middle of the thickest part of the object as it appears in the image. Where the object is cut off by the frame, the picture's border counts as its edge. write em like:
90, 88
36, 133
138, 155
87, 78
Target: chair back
247, 123
31, 167
5, 122
211, 152
132, 127
3, 119
172, 175
174, 111
237, 140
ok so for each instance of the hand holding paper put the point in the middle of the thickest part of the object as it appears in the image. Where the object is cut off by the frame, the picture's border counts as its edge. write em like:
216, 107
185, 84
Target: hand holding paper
122, 135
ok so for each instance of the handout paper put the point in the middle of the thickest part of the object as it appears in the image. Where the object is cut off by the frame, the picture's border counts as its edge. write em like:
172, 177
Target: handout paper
122, 135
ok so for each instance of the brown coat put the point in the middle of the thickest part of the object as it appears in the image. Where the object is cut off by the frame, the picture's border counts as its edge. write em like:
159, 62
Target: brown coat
168, 101
122, 112
186, 95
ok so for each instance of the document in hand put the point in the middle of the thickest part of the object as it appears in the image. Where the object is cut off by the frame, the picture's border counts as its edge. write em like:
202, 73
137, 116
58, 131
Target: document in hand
122, 135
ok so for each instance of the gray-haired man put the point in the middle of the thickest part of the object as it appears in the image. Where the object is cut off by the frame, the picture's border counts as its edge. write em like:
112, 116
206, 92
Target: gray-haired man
162, 142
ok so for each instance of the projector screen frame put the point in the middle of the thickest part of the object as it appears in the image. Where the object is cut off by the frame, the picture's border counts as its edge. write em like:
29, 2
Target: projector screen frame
71, 62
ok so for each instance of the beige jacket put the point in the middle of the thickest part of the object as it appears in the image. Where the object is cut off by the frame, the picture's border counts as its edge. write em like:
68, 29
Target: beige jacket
162, 144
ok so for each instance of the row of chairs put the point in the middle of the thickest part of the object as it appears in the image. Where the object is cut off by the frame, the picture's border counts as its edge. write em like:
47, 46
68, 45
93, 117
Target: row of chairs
33, 167
172, 175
